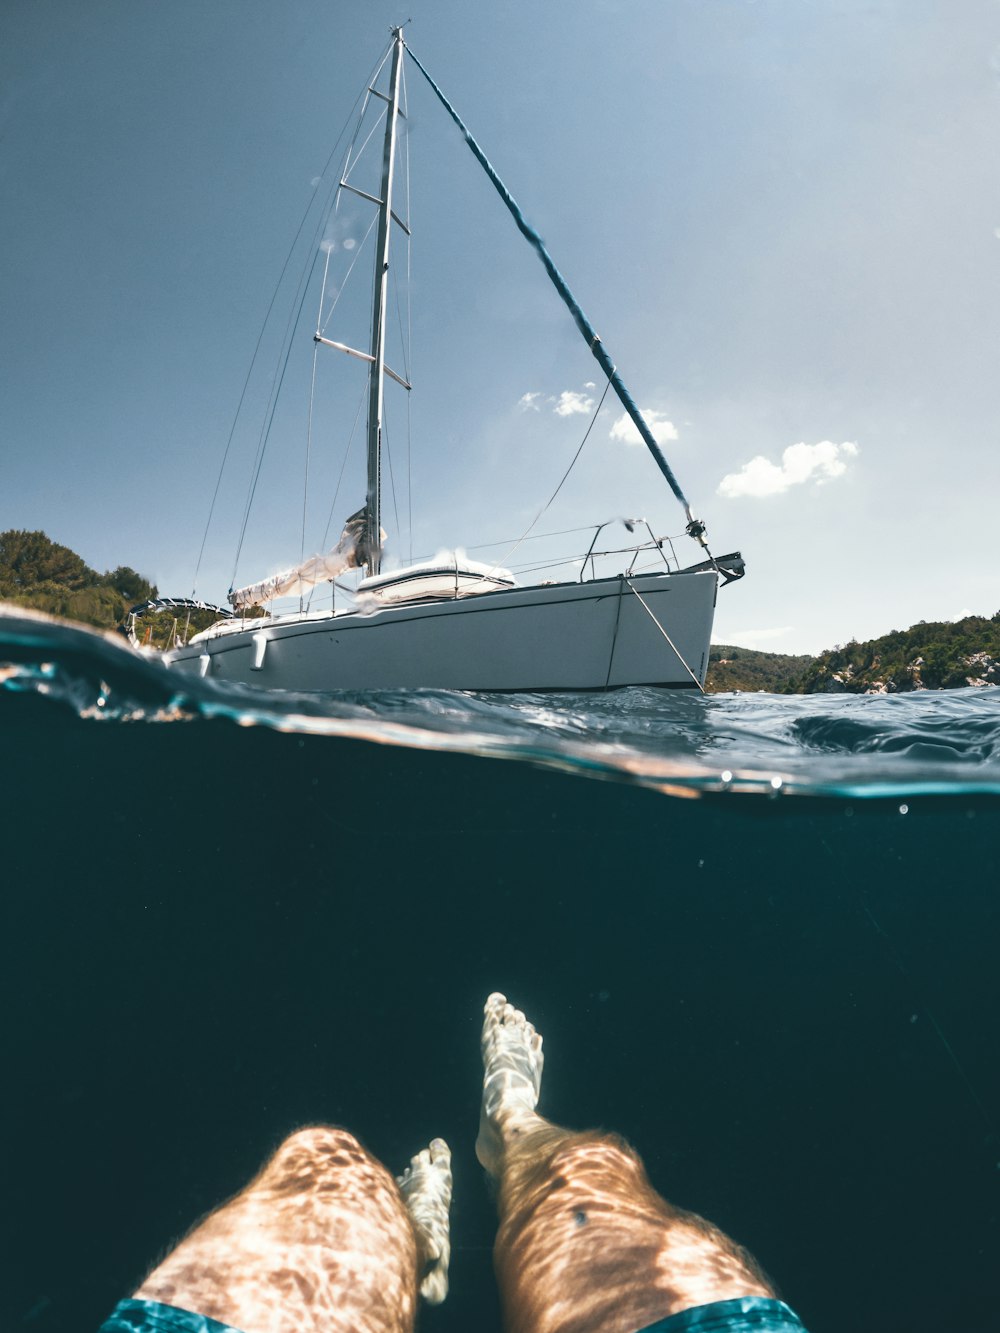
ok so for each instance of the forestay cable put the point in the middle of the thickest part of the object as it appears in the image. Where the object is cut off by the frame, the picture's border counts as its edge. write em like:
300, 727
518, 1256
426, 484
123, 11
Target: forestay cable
649, 612
695, 528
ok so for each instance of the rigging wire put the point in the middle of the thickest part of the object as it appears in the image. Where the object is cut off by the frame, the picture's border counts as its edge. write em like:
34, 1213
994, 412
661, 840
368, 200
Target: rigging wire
265, 430
291, 325
309, 432
524, 537
409, 327
267, 314
268, 422
388, 459
695, 528
649, 612
349, 165
533, 567
538, 537
293, 320
559, 561
322, 290
346, 278
312, 403
406, 374
296, 312
340, 479
343, 465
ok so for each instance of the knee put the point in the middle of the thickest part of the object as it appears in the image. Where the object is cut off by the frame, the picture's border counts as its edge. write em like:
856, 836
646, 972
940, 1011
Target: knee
321, 1141
312, 1154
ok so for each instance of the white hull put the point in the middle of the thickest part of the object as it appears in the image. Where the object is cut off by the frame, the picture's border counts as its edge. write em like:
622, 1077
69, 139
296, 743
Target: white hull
567, 636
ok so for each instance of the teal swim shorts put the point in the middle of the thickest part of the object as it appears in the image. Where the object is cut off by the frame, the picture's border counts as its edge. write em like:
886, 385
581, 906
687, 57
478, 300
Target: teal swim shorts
136, 1316
746, 1314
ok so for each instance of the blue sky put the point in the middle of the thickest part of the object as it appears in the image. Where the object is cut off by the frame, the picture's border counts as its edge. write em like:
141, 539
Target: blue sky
783, 218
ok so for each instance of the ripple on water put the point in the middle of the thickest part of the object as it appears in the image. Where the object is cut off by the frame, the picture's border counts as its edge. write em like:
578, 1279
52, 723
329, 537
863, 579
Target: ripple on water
876, 746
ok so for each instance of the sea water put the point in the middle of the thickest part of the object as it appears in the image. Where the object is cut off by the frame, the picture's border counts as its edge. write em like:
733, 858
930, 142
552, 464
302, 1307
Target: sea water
759, 934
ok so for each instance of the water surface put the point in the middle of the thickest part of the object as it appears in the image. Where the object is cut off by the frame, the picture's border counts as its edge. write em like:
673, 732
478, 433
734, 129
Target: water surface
762, 945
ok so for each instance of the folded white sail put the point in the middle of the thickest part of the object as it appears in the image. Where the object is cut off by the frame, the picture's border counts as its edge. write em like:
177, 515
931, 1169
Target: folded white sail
349, 553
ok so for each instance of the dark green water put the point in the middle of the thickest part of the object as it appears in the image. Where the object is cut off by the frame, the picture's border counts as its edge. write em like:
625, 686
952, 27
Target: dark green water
212, 934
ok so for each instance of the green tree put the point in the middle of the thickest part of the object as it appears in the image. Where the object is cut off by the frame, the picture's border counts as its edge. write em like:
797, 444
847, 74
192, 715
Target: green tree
30, 558
39, 573
931, 655
132, 586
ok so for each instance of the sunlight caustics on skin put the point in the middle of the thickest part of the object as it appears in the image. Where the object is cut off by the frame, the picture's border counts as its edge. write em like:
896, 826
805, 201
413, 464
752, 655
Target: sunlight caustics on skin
585, 1244
323, 1241
426, 1189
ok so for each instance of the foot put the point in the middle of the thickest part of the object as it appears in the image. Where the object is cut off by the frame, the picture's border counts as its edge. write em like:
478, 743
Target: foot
426, 1189
512, 1078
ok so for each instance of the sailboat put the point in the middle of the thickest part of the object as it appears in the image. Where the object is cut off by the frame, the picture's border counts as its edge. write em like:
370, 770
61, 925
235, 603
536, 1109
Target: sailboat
456, 623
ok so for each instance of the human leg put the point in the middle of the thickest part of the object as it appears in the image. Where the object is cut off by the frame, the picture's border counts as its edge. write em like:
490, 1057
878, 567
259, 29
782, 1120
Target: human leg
584, 1241
324, 1240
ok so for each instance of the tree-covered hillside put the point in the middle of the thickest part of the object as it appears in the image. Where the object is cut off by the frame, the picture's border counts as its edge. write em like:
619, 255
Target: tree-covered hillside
731, 668
38, 572
938, 655
931, 655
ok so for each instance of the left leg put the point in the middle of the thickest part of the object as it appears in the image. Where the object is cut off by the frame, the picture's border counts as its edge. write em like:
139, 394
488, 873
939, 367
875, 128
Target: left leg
585, 1244
323, 1241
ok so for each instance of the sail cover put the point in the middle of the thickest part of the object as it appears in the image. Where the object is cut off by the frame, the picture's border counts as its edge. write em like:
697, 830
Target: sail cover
349, 553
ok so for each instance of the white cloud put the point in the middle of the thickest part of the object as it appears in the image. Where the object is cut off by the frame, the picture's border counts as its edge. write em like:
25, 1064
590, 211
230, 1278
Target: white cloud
528, 402
572, 404
590, 385
624, 428
799, 463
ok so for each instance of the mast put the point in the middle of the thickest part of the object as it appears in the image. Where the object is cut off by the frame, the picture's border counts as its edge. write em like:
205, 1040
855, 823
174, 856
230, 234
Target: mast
376, 381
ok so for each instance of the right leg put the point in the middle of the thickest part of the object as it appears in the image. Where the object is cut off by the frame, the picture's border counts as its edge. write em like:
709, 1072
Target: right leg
584, 1242
324, 1240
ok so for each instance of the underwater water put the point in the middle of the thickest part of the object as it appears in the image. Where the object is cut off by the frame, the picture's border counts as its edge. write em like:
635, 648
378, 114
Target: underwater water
760, 936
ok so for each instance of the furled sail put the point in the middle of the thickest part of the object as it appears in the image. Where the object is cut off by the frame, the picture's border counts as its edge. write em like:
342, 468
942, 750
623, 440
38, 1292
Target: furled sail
349, 553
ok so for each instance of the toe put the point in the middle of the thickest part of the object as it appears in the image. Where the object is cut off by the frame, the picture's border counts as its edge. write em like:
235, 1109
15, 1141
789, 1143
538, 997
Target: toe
434, 1287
